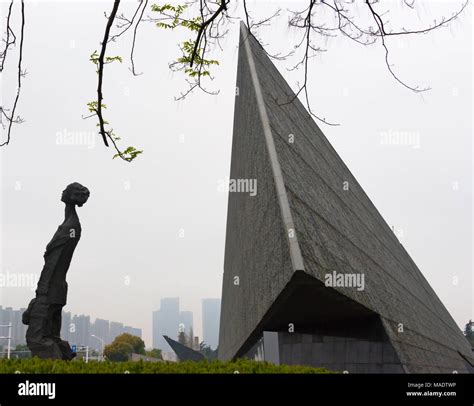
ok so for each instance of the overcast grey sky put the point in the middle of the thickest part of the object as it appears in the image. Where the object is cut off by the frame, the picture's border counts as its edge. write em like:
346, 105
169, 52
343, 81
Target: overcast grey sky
133, 251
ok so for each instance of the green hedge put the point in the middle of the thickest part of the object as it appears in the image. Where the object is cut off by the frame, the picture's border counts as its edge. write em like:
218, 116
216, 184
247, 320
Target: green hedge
38, 366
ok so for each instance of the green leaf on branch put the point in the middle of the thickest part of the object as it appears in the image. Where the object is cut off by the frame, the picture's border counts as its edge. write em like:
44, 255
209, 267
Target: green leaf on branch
129, 154
173, 18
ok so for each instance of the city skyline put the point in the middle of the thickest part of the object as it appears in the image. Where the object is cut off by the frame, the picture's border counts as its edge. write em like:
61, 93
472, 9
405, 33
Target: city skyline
170, 320
76, 328
98, 328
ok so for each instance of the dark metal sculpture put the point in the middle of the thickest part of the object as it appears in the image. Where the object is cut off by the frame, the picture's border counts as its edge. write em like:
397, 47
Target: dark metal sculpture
184, 353
43, 315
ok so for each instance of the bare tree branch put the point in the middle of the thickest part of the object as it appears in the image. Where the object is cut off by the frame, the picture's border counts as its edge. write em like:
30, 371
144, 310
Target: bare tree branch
20, 73
135, 37
381, 29
309, 27
209, 27
8, 42
126, 22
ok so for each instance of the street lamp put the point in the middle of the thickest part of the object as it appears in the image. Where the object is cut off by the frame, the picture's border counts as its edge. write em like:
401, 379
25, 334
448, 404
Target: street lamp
103, 344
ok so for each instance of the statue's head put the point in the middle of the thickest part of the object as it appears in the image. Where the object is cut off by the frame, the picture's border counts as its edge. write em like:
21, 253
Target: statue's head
75, 194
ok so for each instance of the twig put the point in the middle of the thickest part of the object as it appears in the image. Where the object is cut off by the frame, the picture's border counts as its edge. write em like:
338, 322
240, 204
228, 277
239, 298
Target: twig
8, 43
135, 38
202, 28
20, 74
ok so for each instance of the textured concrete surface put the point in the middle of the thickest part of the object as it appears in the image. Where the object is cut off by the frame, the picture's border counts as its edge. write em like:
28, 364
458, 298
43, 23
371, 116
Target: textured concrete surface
334, 230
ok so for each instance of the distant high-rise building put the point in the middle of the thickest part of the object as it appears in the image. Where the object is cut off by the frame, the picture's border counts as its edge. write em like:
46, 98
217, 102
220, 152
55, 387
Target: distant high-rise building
136, 332
18, 330
133, 331
3, 313
115, 330
170, 305
167, 320
81, 327
66, 326
5, 318
211, 313
100, 329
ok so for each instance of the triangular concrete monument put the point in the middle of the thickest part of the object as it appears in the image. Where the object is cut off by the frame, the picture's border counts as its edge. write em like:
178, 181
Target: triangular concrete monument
308, 224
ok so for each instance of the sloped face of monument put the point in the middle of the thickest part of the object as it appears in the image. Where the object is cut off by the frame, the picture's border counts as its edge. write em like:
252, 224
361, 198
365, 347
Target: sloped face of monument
306, 254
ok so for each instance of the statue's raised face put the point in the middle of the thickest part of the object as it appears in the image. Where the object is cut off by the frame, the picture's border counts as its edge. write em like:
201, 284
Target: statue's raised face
76, 194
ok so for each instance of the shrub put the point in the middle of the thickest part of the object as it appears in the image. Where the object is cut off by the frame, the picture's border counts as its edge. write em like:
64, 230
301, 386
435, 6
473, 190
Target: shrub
39, 366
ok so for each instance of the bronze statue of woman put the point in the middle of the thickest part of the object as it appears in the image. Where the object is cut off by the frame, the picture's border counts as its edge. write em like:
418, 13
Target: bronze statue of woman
43, 315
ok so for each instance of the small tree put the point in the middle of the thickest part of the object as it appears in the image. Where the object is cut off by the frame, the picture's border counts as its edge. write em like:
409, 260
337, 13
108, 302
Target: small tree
117, 351
154, 353
469, 332
207, 351
123, 346
136, 343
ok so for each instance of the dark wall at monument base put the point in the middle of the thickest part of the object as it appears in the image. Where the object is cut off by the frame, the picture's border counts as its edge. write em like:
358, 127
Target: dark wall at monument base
311, 218
340, 354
